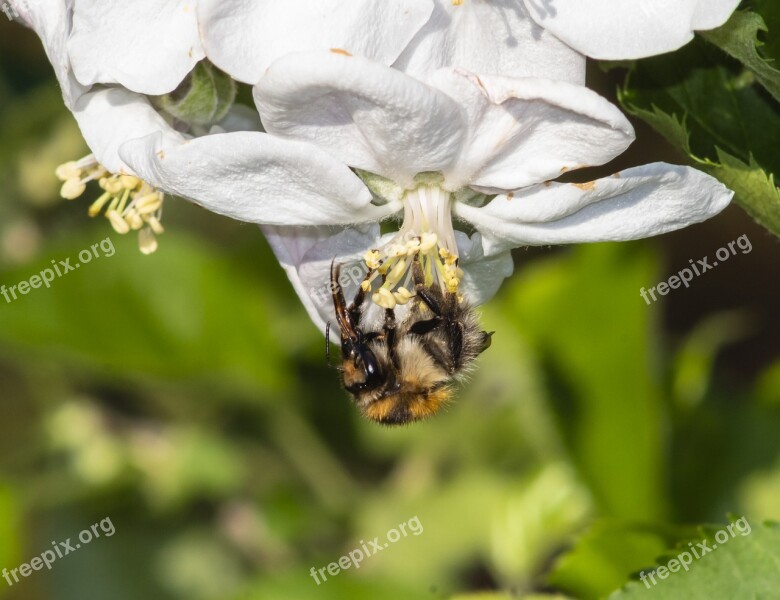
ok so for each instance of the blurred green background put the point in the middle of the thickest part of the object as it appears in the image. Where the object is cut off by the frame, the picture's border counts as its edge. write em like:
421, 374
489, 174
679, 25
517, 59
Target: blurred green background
185, 396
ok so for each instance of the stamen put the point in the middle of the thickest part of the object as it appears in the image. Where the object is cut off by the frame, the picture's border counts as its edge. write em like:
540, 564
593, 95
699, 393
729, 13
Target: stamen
130, 204
426, 235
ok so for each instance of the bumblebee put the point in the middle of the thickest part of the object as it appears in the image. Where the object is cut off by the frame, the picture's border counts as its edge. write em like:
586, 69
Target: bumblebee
403, 372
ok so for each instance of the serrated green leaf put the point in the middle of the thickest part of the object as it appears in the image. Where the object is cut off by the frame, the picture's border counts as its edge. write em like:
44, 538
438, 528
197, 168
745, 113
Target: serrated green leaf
670, 126
716, 117
608, 553
738, 38
755, 189
770, 12
741, 566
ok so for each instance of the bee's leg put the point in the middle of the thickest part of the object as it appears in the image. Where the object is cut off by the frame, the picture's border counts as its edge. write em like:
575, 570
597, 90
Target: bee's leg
428, 295
438, 356
455, 341
423, 327
356, 307
487, 339
390, 336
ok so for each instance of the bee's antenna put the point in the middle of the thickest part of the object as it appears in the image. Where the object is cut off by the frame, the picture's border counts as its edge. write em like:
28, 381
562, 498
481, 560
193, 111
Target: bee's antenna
327, 343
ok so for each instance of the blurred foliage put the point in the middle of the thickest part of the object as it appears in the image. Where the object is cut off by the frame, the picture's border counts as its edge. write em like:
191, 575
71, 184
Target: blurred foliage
185, 395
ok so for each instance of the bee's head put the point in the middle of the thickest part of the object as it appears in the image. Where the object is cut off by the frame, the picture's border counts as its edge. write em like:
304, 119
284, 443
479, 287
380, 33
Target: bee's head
361, 371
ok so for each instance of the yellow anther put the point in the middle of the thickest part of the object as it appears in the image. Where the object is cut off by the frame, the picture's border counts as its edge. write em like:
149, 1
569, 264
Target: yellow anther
129, 182
365, 285
134, 220
395, 250
69, 170
397, 272
384, 298
428, 242
112, 185
72, 188
147, 243
155, 224
117, 222
402, 295
444, 253
372, 259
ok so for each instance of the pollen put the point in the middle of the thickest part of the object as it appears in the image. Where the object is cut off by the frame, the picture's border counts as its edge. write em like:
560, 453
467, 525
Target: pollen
128, 203
426, 235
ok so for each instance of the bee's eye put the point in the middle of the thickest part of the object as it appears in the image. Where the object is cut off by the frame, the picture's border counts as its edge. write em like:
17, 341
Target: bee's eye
370, 368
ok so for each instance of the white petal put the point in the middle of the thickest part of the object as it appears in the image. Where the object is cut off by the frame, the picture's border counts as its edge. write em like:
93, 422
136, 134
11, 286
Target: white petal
306, 253
482, 275
147, 46
525, 131
489, 37
51, 20
622, 29
243, 38
637, 203
110, 117
367, 115
257, 178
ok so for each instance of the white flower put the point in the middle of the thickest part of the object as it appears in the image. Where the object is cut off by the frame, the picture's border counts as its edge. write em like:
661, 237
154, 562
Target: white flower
623, 29
149, 47
603, 29
484, 148
453, 136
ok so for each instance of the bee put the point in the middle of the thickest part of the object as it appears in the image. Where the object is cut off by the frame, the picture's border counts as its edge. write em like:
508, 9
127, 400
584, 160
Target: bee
403, 372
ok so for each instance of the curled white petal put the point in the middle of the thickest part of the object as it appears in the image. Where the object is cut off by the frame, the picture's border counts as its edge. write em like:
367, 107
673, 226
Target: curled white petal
255, 177
147, 46
637, 203
369, 116
243, 38
483, 275
306, 254
489, 37
623, 29
109, 117
523, 131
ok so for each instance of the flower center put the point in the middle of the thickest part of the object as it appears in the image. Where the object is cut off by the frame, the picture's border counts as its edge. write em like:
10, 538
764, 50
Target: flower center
129, 203
427, 236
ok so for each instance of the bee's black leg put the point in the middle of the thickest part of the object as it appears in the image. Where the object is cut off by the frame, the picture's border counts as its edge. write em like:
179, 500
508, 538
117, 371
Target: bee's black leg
356, 307
428, 295
390, 336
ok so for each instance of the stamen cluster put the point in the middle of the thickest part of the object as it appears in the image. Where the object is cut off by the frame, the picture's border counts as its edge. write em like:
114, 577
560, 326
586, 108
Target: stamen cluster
127, 202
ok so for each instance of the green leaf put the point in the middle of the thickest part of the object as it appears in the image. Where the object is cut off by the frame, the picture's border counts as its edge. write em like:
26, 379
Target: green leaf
755, 189
743, 565
716, 117
606, 397
738, 37
605, 556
